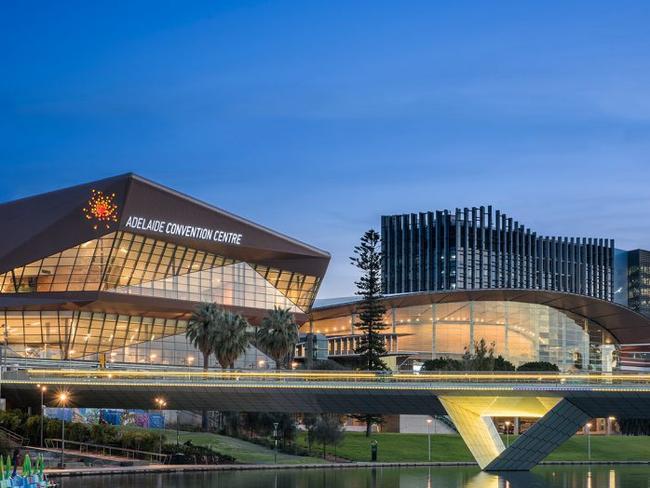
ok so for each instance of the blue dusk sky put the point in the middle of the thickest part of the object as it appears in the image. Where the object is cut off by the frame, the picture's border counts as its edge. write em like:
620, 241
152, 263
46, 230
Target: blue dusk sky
315, 118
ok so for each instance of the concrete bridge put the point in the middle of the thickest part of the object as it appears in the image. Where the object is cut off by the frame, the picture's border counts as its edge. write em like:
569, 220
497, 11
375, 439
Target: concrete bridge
563, 403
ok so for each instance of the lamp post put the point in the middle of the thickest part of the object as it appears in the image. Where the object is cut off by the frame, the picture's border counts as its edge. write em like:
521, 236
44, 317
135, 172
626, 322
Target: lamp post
275, 442
3, 355
588, 427
161, 405
63, 401
178, 433
429, 422
507, 423
42, 389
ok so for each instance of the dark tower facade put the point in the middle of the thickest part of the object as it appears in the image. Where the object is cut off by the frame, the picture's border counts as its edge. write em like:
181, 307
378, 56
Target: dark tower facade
478, 248
638, 268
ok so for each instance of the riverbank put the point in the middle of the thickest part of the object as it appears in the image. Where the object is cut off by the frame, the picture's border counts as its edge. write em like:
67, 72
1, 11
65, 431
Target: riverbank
157, 468
413, 448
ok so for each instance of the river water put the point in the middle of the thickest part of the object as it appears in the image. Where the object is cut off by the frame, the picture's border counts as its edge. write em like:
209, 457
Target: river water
435, 477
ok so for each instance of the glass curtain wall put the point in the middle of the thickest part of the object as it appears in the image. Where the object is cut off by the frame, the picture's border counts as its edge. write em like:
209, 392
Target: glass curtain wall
128, 263
521, 332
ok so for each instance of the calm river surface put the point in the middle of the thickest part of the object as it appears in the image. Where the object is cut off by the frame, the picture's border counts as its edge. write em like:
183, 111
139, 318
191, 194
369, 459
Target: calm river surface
435, 477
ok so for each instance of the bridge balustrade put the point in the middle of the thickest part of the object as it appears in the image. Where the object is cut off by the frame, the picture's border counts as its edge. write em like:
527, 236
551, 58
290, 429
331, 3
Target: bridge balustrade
255, 376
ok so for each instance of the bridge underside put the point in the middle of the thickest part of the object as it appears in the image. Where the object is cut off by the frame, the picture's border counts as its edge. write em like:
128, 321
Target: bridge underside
561, 412
234, 397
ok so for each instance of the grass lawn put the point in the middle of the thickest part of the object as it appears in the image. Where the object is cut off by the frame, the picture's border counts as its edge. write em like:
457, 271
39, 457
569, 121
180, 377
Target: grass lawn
243, 452
413, 447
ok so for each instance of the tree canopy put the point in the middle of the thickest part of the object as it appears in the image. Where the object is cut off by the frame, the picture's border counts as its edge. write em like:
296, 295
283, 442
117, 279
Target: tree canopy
278, 336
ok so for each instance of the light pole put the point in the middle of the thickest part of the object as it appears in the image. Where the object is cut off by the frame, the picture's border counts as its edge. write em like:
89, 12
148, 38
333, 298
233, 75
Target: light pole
429, 422
161, 405
507, 423
3, 354
63, 401
178, 433
588, 427
275, 442
42, 389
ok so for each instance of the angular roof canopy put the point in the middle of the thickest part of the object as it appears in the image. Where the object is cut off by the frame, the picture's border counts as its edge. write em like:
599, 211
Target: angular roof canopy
627, 326
41, 225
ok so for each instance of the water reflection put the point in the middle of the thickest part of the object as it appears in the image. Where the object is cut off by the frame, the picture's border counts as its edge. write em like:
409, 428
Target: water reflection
541, 477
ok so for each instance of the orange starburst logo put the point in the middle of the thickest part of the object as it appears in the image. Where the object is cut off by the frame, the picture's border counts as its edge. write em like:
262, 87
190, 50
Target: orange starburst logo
101, 209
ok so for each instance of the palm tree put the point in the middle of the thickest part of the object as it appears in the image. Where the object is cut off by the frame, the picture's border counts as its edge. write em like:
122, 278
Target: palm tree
230, 338
278, 336
200, 332
201, 328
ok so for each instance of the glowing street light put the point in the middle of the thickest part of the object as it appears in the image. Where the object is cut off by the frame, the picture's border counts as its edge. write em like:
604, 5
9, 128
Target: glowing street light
507, 423
161, 405
63, 399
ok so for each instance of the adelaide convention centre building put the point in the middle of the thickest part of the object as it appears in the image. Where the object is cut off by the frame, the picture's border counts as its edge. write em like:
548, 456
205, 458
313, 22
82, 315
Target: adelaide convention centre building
110, 272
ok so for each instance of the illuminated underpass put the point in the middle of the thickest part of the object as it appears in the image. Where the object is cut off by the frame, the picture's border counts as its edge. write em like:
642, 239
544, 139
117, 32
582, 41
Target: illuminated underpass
563, 403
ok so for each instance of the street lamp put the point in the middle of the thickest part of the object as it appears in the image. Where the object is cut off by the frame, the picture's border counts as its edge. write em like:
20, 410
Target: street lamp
63, 401
178, 432
275, 439
3, 356
429, 422
507, 423
588, 427
42, 389
161, 405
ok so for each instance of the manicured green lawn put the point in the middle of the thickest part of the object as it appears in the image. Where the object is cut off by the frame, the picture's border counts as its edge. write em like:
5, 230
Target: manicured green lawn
413, 448
394, 447
397, 447
244, 452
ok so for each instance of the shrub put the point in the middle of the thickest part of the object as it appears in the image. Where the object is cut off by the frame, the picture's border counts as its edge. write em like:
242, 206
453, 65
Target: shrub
140, 440
12, 420
32, 429
104, 434
188, 453
538, 366
52, 429
78, 432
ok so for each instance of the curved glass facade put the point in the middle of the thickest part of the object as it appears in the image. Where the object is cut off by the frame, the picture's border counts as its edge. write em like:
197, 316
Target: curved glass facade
521, 332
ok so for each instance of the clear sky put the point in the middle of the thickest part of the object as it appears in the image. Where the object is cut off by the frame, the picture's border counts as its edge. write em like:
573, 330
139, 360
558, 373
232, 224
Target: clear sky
315, 118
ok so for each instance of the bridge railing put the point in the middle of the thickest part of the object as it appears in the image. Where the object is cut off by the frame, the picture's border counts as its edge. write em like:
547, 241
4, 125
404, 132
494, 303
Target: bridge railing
303, 376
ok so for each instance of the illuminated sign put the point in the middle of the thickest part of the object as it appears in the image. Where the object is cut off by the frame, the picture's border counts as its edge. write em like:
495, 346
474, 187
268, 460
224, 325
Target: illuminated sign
183, 230
101, 209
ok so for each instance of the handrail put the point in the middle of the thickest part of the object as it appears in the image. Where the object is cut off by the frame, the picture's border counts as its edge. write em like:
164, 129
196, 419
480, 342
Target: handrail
17, 438
122, 376
88, 447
